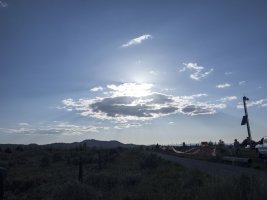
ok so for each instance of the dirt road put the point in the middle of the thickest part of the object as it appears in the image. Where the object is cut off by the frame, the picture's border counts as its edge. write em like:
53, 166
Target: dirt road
214, 168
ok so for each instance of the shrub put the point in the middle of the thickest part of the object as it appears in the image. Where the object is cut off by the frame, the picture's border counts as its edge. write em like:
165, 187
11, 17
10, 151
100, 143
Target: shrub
103, 180
248, 187
8, 150
76, 190
45, 161
151, 161
131, 180
19, 148
56, 157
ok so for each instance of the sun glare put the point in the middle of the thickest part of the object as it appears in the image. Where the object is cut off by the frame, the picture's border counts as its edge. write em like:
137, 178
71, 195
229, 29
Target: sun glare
131, 89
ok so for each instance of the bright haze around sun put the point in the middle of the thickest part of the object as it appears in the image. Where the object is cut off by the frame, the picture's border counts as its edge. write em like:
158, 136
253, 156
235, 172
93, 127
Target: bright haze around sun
142, 72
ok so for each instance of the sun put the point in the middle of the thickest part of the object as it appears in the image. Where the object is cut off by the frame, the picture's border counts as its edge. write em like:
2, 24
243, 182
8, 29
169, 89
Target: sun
131, 89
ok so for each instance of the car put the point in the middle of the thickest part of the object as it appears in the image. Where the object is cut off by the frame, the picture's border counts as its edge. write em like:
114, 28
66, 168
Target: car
261, 147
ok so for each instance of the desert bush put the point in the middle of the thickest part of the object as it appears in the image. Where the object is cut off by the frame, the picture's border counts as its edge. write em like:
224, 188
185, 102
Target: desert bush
248, 187
242, 187
23, 185
57, 157
103, 180
45, 161
133, 174
150, 161
102, 160
216, 188
8, 150
19, 148
112, 154
75, 190
131, 180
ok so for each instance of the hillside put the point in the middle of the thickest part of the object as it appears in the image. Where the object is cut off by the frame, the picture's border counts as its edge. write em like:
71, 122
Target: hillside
87, 143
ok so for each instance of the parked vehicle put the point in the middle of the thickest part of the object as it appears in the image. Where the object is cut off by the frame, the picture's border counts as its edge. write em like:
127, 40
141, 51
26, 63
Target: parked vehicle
262, 147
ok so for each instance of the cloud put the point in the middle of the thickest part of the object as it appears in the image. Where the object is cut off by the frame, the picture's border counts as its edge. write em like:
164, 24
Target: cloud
259, 103
171, 123
127, 125
197, 72
153, 72
96, 89
182, 69
225, 85
169, 89
241, 83
137, 40
130, 89
3, 4
23, 124
136, 102
22, 130
228, 73
229, 98
57, 128
202, 109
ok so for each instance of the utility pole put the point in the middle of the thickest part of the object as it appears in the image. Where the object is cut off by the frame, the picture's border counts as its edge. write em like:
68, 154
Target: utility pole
245, 120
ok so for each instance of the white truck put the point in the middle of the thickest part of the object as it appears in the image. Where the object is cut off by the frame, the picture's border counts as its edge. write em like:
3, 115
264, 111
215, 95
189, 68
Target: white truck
262, 147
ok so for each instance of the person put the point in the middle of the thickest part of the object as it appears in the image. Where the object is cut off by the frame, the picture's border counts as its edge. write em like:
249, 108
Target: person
236, 147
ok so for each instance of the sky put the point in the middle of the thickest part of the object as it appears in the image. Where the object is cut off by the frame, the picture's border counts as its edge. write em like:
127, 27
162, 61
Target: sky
143, 72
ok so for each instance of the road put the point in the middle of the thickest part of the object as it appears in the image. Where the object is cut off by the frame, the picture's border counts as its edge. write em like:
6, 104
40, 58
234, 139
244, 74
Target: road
214, 168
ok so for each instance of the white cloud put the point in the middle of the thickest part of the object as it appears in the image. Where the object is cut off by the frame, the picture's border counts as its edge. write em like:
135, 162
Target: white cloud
228, 73
137, 40
130, 89
153, 72
3, 4
241, 83
169, 89
197, 72
199, 95
17, 131
23, 124
259, 103
194, 96
127, 125
96, 89
229, 98
136, 102
171, 123
57, 128
68, 102
225, 85
182, 69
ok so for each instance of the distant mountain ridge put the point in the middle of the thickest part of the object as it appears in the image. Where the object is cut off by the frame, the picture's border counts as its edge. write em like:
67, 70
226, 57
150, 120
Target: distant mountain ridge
92, 143
88, 143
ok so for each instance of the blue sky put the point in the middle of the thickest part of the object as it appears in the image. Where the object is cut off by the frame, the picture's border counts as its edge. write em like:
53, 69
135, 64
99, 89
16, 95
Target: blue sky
139, 72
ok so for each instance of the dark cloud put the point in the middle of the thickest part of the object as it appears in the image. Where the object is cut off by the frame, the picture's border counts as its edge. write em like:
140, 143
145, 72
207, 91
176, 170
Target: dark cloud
153, 105
141, 107
197, 110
